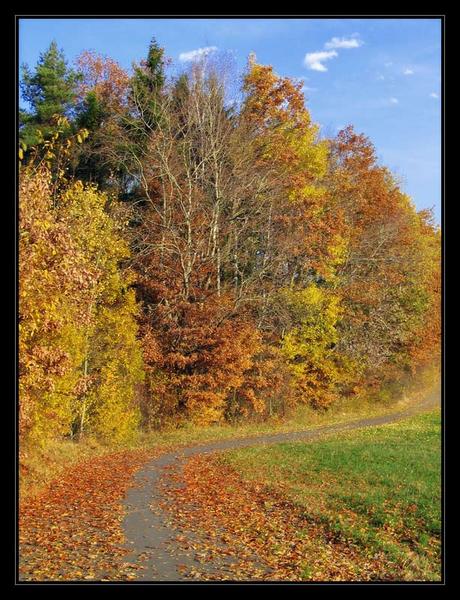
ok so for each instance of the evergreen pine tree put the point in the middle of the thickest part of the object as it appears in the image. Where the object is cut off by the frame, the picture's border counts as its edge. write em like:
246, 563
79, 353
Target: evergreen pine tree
147, 83
49, 91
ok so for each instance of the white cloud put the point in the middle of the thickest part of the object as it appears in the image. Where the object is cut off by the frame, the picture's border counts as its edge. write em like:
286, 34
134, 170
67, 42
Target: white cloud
408, 72
314, 60
394, 101
196, 54
434, 95
380, 78
351, 42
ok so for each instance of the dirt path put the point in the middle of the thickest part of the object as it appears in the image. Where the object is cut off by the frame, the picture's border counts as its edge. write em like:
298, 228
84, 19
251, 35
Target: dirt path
152, 539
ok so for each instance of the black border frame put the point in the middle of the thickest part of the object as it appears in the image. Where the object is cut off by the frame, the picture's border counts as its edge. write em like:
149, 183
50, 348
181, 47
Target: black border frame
16, 584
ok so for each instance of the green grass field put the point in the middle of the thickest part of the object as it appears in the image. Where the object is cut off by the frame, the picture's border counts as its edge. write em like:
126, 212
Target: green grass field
378, 488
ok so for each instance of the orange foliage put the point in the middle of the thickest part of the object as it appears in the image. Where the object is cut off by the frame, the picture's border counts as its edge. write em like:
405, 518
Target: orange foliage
103, 76
200, 355
390, 278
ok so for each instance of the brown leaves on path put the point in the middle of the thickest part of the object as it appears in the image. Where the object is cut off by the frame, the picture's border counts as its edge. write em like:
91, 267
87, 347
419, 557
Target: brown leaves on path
268, 537
72, 530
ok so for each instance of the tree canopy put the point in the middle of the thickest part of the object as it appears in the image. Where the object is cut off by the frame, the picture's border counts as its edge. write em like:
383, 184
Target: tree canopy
182, 258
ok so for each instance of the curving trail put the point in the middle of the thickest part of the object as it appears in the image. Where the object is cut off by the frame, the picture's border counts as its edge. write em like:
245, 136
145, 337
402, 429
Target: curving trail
151, 538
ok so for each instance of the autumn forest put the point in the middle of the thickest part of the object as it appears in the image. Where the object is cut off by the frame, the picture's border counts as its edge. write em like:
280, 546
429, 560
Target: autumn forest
194, 252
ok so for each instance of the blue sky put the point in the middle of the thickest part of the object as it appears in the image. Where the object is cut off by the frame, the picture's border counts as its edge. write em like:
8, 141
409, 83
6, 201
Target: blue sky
381, 75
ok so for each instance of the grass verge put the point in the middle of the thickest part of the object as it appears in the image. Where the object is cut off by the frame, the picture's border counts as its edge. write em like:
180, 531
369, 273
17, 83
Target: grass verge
377, 488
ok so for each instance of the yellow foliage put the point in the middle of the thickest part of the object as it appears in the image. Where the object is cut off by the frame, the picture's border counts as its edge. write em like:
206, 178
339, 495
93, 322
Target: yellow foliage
116, 358
80, 358
309, 345
112, 362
